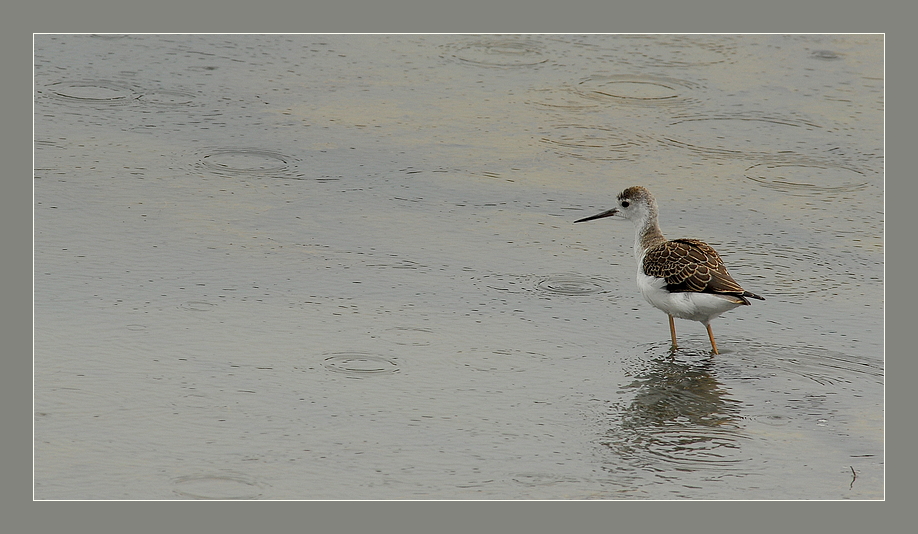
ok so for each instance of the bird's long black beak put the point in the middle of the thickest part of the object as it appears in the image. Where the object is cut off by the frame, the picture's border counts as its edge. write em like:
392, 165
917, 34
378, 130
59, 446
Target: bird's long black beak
607, 213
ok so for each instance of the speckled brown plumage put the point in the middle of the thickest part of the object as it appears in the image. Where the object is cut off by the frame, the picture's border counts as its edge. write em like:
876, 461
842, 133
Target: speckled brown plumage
692, 265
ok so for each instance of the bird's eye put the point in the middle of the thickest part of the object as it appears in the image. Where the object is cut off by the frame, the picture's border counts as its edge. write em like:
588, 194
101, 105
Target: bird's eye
625, 203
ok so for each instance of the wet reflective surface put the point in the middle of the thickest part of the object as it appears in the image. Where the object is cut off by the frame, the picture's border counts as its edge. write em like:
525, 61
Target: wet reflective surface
344, 267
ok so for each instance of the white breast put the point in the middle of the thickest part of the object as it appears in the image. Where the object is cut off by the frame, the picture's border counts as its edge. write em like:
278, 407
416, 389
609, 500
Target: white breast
702, 307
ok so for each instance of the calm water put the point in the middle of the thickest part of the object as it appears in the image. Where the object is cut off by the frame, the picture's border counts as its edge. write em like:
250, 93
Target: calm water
344, 267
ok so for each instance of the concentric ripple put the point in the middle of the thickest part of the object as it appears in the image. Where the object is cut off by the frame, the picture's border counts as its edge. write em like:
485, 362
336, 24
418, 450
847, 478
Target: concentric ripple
217, 486
796, 270
562, 284
682, 447
657, 51
594, 143
95, 92
500, 52
677, 51
835, 370
621, 89
571, 284
798, 178
632, 87
563, 98
743, 137
247, 162
360, 364
244, 160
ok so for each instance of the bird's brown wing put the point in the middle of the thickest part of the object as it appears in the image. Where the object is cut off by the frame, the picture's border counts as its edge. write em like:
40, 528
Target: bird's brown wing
691, 265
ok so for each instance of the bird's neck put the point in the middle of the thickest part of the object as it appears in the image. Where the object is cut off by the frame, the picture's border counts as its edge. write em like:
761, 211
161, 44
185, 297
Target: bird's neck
647, 234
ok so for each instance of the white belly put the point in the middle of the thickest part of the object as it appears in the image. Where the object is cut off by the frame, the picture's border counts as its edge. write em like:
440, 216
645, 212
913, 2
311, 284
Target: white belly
702, 307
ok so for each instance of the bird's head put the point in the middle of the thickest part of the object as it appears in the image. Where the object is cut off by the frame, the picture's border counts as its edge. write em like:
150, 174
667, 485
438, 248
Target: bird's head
633, 204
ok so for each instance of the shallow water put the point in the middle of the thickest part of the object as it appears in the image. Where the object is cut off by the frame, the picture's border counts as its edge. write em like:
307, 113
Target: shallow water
344, 267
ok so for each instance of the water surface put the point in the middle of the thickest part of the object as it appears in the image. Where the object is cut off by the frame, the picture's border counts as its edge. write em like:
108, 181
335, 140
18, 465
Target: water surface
344, 267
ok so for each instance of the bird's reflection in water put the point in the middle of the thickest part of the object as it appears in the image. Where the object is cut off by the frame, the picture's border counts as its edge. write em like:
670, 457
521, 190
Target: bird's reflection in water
680, 417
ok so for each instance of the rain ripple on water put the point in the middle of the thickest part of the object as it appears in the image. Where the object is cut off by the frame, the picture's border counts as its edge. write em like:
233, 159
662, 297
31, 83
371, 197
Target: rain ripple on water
360, 364
218, 486
561, 284
498, 52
